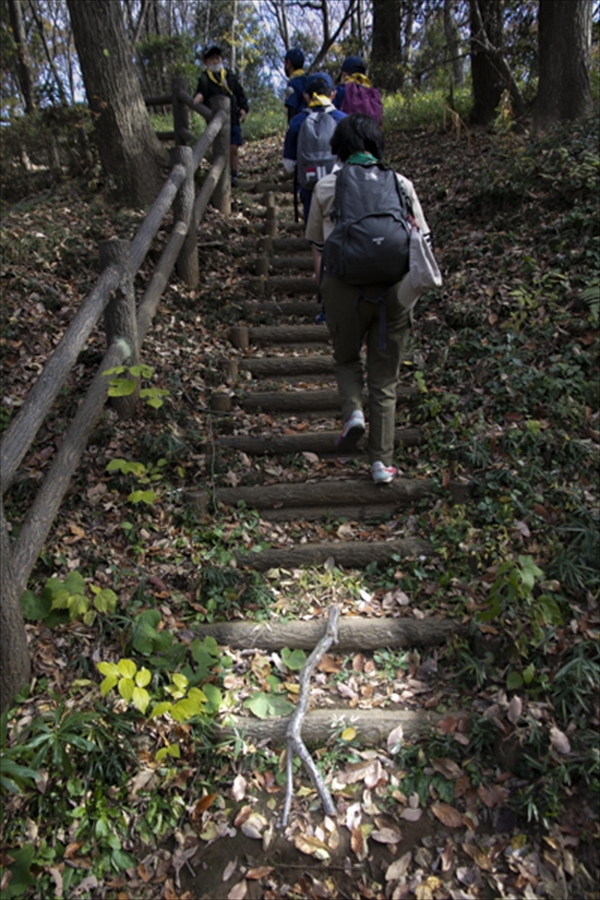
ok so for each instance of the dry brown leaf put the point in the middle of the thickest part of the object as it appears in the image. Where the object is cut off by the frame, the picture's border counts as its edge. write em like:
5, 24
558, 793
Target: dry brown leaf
359, 844
447, 815
479, 857
447, 767
312, 846
242, 815
386, 835
398, 869
238, 891
229, 869
259, 872
491, 795
169, 892
395, 738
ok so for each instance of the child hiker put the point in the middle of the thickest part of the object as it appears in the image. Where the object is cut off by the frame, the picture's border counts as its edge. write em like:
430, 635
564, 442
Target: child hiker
357, 313
217, 80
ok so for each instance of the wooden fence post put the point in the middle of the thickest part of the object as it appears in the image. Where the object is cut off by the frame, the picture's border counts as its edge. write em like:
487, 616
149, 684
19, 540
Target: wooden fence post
120, 320
183, 205
221, 199
181, 114
15, 666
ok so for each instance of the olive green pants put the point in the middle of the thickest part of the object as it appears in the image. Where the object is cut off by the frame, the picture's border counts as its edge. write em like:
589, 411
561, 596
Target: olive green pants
352, 319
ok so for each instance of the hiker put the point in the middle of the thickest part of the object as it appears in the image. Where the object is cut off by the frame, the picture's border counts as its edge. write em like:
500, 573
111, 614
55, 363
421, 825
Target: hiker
307, 145
355, 93
294, 91
216, 80
363, 312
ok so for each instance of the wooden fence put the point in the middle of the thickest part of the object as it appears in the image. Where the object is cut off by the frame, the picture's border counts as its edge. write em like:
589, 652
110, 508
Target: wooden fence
126, 327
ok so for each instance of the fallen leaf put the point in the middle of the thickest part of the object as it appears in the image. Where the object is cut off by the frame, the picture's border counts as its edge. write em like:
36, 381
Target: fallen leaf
411, 815
447, 767
254, 826
395, 738
238, 788
386, 836
492, 795
359, 844
312, 846
398, 869
479, 857
238, 891
259, 872
229, 869
447, 815
559, 740
515, 709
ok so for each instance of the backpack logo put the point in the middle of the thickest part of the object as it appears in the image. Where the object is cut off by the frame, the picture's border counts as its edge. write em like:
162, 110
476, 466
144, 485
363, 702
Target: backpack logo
378, 240
314, 158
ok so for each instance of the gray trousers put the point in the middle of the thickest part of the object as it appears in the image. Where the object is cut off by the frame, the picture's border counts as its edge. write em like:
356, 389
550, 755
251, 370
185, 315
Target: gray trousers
352, 319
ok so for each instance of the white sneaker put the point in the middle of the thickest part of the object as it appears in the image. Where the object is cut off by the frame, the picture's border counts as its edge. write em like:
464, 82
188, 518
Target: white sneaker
383, 474
351, 433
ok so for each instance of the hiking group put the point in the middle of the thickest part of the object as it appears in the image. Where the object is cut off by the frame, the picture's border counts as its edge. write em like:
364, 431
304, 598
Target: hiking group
366, 230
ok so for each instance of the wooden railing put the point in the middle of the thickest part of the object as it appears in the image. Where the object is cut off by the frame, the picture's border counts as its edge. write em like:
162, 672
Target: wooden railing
126, 327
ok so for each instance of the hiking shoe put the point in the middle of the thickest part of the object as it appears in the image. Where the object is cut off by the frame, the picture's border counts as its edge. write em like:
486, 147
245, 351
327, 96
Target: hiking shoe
351, 433
321, 317
383, 474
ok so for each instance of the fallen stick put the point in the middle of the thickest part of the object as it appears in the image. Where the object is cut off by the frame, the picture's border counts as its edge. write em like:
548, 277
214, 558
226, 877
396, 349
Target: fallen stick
294, 739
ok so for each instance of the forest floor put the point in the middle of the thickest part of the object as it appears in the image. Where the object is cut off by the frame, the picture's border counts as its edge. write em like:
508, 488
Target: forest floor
499, 801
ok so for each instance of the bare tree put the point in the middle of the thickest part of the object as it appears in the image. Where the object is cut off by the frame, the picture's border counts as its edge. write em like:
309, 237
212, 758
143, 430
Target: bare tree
129, 149
24, 69
453, 41
565, 37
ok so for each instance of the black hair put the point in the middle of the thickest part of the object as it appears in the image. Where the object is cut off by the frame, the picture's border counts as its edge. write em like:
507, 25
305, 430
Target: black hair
357, 133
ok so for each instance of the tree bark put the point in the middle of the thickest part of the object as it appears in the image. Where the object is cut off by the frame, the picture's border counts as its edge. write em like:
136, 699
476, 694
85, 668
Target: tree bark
488, 83
131, 153
564, 36
453, 41
25, 76
15, 666
386, 56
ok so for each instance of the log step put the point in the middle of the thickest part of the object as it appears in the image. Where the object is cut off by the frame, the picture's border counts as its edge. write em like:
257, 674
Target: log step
242, 336
278, 366
402, 492
261, 285
318, 727
304, 263
350, 554
321, 442
308, 308
354, 633
306, 401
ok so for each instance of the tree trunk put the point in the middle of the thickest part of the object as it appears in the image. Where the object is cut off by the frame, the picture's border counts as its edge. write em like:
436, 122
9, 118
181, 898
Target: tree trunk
15, 666
488, 84
131, 153
452, 39
564, 36
25, 77
386, 56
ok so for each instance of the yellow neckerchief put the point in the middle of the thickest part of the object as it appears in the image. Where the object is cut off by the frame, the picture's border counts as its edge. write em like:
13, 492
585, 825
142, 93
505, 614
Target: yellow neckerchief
220, 81
359, 78
319, 100
296, 74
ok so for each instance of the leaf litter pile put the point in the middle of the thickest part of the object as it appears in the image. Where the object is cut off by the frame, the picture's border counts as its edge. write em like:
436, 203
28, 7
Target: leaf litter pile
123, 788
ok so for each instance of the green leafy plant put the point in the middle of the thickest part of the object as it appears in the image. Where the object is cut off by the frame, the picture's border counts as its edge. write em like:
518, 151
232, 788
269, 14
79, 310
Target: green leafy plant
124, 387
142, 473
60, 600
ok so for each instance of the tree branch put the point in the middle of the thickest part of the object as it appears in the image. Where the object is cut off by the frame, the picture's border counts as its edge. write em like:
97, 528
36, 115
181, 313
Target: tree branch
294, 740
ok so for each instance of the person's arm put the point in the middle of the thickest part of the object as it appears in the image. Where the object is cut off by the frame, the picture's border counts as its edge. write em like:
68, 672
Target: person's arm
200, 91
290, 145
416, 207
240, 96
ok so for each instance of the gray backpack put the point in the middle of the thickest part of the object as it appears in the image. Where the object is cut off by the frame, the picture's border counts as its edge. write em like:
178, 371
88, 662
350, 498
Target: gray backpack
314, 156
373, 217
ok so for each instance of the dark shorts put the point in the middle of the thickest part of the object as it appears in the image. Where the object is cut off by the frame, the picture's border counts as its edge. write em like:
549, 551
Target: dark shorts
236, 135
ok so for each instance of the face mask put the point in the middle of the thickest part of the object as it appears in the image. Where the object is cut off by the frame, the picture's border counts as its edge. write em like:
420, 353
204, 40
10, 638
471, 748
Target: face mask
215, 67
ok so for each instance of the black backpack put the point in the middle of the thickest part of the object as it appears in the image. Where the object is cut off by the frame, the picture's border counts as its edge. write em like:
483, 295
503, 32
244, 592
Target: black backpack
370, 240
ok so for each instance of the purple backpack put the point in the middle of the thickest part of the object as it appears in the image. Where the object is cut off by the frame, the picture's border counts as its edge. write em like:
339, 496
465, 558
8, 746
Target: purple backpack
361, 99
